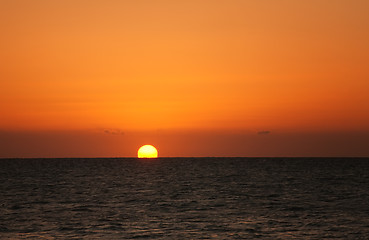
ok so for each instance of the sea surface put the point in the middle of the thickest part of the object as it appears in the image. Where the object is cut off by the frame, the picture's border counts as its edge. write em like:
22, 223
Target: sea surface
184, 198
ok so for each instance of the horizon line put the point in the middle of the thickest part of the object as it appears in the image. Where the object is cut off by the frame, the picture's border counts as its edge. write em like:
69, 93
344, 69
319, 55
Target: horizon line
30, 158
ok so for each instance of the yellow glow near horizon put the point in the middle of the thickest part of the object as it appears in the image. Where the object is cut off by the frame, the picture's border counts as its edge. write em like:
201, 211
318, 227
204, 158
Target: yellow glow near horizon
147, 151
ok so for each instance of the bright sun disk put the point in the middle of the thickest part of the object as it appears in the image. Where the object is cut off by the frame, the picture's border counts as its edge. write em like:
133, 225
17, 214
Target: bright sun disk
147, 151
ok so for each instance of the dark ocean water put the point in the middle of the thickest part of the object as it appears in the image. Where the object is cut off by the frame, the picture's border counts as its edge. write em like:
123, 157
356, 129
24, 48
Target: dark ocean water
184, 198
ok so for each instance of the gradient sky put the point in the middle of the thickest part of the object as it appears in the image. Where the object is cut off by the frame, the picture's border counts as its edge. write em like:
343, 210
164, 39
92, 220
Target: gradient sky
88, 78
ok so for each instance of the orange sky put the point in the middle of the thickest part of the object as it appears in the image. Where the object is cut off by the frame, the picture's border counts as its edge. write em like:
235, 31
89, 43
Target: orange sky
189, 76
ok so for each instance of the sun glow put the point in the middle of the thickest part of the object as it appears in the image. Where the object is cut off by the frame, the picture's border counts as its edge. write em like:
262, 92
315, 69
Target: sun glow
147, 151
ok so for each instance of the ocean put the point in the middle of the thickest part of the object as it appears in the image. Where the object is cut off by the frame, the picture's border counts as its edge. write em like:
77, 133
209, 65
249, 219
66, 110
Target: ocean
184, 198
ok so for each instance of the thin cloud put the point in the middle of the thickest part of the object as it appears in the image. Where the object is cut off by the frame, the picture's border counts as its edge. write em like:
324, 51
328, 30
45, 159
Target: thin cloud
113, 131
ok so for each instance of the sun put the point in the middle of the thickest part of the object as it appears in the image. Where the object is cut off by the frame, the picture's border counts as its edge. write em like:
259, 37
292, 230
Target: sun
147, 151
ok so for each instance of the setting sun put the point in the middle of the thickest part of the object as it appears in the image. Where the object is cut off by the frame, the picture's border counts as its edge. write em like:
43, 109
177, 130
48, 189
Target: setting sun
147, 151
